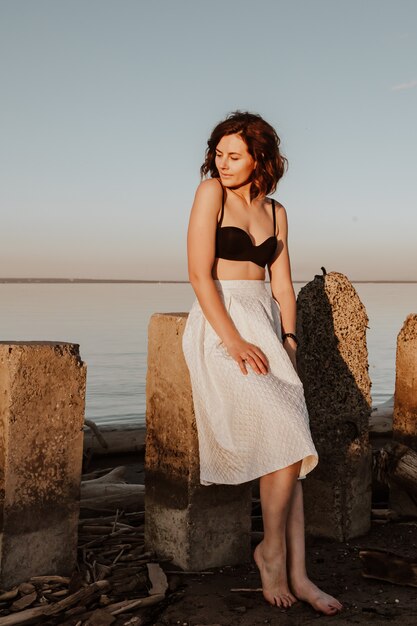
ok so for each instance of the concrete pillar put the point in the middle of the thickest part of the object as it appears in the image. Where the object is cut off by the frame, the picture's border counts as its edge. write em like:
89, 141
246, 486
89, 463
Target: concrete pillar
42, 391
332, 360
198, 526
404, 427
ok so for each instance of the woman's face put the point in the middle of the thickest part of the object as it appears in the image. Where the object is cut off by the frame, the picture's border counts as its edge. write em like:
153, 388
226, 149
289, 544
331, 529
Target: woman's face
233, 161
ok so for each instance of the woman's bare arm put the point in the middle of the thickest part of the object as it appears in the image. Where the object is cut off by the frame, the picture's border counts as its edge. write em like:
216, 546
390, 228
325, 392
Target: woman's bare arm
201, 240
281, 283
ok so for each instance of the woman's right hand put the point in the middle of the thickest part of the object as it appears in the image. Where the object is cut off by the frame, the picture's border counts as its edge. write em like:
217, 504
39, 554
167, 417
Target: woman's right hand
245, 353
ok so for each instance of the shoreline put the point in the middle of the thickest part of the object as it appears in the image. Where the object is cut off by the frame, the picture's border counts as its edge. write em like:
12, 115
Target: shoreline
51, 281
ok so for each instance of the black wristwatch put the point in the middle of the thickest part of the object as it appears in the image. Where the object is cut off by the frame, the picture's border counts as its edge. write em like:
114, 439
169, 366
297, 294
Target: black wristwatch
285, 335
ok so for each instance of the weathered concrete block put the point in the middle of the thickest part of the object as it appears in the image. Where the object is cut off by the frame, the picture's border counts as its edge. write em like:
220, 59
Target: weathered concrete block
42, 393
198, 526
404, 427
332, 360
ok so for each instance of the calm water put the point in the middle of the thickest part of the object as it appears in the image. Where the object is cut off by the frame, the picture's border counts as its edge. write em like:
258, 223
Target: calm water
110, 321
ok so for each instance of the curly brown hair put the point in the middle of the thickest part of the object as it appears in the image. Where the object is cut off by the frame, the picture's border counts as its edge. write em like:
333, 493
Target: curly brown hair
263, 145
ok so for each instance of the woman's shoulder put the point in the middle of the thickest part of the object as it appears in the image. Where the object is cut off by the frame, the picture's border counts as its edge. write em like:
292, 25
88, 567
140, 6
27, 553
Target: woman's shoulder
210, 186
281, 218
279, 208
209, 193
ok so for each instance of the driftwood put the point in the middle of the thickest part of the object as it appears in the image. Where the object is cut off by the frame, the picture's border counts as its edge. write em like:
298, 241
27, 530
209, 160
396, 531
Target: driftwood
115, 439
110, 492
22, 617
9, 595
80, 596
24, 602
134, 604
380, 421
93, 426
100, 617
116, 476
384, 565
396, 463
158, 579
102, 495
112, 563
384, 515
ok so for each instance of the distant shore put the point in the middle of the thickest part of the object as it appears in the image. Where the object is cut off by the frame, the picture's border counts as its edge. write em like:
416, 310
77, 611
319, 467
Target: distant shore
118, 280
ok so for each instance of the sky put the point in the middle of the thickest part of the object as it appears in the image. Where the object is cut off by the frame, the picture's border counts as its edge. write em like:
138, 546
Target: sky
106, 107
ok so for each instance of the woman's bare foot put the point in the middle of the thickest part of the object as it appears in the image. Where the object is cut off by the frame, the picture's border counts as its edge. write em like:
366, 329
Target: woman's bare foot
307, 591
274, 577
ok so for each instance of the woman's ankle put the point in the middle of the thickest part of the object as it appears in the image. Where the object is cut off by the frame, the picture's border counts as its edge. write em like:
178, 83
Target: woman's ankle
273, 549
298, 576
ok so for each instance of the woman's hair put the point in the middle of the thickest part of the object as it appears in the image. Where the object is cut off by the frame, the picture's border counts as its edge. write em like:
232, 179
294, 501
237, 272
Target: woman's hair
263, 145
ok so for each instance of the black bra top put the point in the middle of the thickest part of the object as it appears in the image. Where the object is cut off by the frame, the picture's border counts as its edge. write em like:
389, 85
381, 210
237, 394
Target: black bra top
234, 243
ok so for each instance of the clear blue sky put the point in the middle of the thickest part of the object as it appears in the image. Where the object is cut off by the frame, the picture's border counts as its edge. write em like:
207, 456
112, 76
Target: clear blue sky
106, 107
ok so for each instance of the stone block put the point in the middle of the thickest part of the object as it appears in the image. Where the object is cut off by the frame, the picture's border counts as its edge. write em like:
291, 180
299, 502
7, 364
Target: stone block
197, 526
404, 428
42, 395
332, 361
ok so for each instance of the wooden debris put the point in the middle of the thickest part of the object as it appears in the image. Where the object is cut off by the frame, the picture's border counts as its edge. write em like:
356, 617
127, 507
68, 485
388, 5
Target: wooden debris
187, 573
129, 605
62, 580
93, 426
384, 565
397, 463
158, 579
26, 588
116, 476
120, 438
112, 564
100, 617
23, 602
81, 596
109, 497
9, 595
22, 617
388, 515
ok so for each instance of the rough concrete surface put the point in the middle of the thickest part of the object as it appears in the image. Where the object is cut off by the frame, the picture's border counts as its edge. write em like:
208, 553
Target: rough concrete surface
198, 526
42, 396
405, 397
332, 360
404, 426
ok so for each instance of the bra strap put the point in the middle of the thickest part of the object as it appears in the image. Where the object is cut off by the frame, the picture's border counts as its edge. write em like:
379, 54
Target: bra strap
222, 213
273, 214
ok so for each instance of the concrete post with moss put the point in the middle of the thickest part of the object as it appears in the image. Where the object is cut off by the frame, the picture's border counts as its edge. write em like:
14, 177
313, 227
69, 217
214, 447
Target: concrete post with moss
332, 360
404, 428
42, 395
197, 526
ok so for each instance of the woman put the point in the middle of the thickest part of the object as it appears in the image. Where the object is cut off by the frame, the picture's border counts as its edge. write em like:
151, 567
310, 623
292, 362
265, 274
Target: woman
240, 347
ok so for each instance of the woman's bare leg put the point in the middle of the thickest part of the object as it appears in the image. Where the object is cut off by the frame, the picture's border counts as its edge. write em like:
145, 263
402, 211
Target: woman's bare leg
276, 490
302, 587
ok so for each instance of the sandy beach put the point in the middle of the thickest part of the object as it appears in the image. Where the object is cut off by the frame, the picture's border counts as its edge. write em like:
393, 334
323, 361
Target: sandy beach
230, 596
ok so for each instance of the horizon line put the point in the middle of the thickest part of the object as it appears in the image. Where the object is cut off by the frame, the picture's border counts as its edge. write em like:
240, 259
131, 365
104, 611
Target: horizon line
153, 281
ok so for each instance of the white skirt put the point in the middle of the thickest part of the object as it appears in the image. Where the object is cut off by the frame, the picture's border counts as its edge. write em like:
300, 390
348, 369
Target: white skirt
247, 425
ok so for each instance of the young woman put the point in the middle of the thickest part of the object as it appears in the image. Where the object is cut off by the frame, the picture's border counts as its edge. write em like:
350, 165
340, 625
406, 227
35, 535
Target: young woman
240, 347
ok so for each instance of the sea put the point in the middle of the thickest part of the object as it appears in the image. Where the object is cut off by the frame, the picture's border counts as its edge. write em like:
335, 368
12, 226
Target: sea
110, 320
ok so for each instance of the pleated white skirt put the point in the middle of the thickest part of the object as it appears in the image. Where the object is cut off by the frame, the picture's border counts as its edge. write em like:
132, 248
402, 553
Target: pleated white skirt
248, 425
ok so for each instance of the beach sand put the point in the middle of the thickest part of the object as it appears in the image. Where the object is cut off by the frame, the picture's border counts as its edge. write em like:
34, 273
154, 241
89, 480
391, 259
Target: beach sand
207, 598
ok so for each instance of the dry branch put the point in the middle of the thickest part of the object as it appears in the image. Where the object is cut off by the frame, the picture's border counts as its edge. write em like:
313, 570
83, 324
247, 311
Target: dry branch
384, 565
